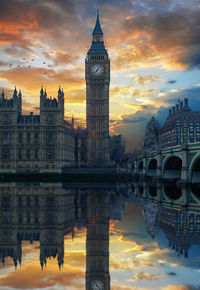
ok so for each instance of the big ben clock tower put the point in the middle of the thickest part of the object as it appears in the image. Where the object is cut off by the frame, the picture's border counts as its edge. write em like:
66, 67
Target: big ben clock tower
97, 76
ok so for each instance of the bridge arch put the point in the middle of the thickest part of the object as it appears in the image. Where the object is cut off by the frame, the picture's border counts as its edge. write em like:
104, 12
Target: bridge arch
152, 190
172, 166
140, 188
194, 170
152, 167
172, 192
195, 192
140, 167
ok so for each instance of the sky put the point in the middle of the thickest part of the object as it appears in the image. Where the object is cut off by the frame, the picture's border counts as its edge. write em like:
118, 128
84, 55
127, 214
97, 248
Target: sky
154, 49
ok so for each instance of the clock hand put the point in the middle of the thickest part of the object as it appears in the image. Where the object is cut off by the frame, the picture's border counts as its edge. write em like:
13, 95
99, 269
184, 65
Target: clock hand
97, 69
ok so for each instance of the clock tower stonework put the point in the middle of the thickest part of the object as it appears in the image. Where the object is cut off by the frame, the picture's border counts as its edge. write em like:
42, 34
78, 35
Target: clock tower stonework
97, 76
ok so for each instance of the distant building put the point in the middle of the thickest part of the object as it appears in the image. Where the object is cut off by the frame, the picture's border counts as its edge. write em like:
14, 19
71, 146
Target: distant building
117, 148
40, 143
181, 127
151, 142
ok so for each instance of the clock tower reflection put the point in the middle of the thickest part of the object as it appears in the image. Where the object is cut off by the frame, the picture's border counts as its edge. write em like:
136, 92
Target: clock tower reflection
97, 243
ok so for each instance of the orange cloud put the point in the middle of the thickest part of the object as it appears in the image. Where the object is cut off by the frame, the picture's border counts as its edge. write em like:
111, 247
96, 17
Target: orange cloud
137, 248
32, 277
176, 287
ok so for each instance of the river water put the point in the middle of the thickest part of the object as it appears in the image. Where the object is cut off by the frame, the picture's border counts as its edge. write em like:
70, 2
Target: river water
99, 236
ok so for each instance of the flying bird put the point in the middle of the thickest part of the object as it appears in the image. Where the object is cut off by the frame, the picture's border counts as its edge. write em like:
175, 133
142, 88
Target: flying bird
43, 62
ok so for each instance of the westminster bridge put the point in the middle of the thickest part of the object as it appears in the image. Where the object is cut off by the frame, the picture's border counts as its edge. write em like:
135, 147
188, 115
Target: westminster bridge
180, 162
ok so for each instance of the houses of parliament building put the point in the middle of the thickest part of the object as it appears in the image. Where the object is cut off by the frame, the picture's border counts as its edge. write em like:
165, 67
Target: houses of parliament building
47, 142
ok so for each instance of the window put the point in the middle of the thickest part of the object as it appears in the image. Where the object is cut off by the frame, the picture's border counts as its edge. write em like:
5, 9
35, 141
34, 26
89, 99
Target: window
50, 201
20, 218
178, 133
28, 201
198, 131
28, 155
36, 137
28, 138
50, 119
20, 138
20, 201
50, 154
5, 201
50, 217
50, 137
5, 137
20, 154
191, 132
36, 154
5, 154
5, 217
5, 118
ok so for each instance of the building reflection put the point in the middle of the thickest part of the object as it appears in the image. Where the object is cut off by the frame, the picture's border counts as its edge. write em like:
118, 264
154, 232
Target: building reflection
167, 211
35, 212
47, 212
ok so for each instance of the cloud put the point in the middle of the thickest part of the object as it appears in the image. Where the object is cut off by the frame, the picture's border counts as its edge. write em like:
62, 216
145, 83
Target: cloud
144, 80
171, 82
120, 287
181, 287
32, 277
143, 275
137, 248
151, 38
171, 274
119, 265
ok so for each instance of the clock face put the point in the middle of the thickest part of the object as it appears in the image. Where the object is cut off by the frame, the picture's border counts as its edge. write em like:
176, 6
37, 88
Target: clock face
97, 69
97, 285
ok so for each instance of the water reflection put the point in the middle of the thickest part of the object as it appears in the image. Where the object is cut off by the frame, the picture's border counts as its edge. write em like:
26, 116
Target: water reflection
48, 215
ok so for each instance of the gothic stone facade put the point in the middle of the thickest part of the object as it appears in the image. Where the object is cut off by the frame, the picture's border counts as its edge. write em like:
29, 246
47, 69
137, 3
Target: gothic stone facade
182, 126
97, 75
40, 143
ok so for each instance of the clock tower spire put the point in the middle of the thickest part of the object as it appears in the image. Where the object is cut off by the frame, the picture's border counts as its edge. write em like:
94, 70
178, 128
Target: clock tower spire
97, 76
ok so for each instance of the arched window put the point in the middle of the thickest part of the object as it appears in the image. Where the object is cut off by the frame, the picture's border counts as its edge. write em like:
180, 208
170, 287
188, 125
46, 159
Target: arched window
178, 133
197, 131
185, 132
191, 132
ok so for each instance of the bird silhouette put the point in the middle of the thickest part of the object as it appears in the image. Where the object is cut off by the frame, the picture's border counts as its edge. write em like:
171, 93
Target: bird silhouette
43, 62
